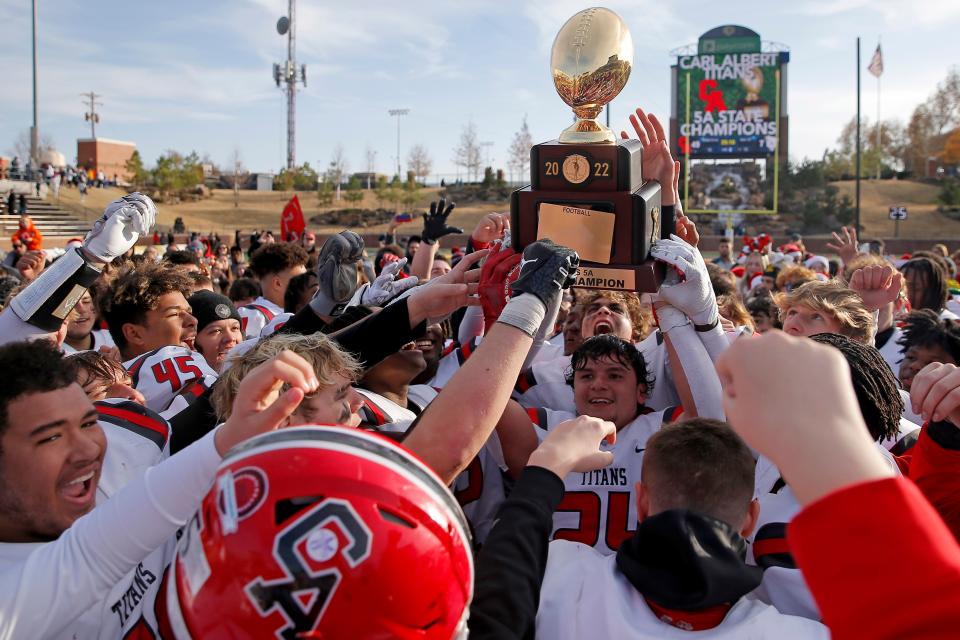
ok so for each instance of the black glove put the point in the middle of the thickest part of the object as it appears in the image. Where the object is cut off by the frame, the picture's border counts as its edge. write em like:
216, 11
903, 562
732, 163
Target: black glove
435, 223
337, 273
545, 270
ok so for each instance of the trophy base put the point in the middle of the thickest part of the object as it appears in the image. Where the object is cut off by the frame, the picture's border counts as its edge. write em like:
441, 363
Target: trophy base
644, 277
587, 131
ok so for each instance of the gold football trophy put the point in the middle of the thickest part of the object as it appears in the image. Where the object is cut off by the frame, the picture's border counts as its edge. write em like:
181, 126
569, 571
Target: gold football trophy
586, 188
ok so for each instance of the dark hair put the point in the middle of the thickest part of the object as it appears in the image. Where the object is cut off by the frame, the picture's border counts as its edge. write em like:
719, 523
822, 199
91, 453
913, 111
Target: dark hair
276, 257
924, 328
390, 248
700, 465
298, 284
34, 367
764, 304
878, 392
135, 291
182, 257
936, 294
243, 288
617, 349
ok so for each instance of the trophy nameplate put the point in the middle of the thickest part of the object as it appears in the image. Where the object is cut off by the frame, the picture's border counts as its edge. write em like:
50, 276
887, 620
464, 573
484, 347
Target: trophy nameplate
586, 188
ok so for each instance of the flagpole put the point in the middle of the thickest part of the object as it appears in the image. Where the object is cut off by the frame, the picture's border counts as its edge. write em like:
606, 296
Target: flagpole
858, 142
879, 122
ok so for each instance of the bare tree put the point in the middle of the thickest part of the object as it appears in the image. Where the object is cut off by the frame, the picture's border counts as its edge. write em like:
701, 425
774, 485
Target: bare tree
237, 169
21, 146
371, 165
338, 166
467, 153
419, 162
519, 152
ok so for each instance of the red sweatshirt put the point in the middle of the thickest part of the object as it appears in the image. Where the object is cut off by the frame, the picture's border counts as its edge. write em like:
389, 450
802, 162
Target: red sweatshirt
840, 543
933, 464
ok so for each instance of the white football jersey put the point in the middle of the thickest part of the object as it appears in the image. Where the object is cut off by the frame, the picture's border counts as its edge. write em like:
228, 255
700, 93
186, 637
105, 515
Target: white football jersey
275, 325
257, 315
137, 439
168, 374
101, 338
479, 489
451, 363
585, 596
599, 508
892, 352
382, 414
783, 585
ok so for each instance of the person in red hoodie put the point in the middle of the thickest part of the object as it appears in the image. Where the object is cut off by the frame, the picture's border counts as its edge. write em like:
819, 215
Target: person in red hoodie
28, 234
854, 507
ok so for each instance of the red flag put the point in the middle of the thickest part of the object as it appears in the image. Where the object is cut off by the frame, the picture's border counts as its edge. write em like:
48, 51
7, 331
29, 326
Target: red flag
291, 221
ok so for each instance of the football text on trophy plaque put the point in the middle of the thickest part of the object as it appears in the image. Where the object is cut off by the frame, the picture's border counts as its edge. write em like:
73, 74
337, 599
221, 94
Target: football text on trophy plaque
586, 188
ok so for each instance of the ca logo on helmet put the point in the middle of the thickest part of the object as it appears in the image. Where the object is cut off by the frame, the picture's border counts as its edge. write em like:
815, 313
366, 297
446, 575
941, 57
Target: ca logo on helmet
312, 534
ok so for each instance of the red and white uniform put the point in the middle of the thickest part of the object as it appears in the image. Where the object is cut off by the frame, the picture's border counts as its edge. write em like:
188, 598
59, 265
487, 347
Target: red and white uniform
585, 596
276, 324
87, 583
599, 508
170, 377
783, 585
451, 362
382, 414
479, 489
256, 315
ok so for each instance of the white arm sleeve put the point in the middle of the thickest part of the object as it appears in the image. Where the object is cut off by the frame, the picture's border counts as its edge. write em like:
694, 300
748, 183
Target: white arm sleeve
60, 580
13, 329
714, 341
695, 364
471, 326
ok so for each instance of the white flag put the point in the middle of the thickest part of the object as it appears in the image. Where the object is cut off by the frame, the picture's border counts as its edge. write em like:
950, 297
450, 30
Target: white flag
876, 63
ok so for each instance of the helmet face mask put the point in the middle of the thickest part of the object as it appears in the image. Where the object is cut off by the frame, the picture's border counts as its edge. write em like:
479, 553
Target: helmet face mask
322, 532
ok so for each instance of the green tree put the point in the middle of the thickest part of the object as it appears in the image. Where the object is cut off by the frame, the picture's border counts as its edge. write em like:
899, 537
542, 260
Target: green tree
138, 173
950, 193
325, 194
354, 192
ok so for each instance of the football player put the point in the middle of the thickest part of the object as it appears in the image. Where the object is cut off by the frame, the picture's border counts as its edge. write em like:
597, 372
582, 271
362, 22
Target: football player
273, 265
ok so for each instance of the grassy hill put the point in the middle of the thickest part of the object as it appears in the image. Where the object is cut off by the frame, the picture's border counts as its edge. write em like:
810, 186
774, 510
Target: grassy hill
923, 221
259, 210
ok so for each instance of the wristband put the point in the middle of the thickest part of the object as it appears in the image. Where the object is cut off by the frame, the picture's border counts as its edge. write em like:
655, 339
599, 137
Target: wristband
703, 328
46, 302
524, 312
427, 240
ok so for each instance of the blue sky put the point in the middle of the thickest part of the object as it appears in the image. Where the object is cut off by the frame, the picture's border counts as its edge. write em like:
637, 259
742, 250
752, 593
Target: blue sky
191, 75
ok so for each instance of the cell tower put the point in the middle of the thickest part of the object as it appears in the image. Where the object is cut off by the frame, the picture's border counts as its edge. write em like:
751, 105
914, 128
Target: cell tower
289, 74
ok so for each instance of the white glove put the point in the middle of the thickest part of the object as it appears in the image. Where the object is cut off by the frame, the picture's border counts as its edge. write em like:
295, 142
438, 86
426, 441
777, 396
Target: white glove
120, 226
687, 287
669, 318
385, 288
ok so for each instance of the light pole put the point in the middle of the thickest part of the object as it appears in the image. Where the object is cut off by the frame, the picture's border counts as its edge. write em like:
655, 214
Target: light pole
92, 116
35, 130
398, 113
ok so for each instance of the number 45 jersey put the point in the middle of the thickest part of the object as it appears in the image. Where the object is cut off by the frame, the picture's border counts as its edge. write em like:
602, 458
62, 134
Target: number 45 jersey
170, 376
599, 508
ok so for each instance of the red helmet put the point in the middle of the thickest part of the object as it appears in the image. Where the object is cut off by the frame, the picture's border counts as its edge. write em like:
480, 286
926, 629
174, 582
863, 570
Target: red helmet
322, 532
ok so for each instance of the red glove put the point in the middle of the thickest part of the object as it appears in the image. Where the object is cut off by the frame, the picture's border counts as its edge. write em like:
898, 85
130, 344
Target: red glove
500, 269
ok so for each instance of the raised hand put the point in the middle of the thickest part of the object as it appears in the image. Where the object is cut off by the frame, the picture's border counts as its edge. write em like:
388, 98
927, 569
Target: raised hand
574, 445
31, 264
121, 225
490, 228
494, 287
435, 223
337, 273
259, 405
658, 164
816, 436
687, 286
385, 287
935, 393
846, 246
878, 286
546, 269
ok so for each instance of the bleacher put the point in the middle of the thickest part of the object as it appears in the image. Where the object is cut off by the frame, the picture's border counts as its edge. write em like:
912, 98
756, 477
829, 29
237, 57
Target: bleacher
51, 220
